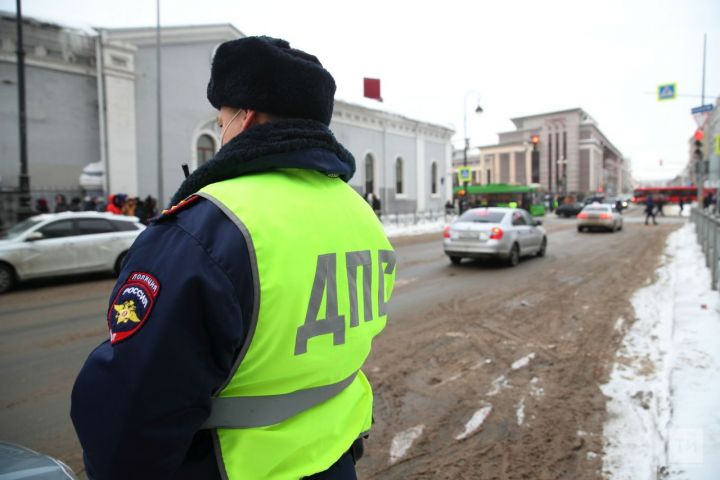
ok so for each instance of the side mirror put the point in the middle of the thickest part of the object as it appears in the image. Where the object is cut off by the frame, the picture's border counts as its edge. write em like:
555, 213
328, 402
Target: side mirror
34, 236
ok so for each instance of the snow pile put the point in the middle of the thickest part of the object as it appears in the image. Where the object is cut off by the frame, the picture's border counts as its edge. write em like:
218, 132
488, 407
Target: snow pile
394, 230
662, 415
402, 442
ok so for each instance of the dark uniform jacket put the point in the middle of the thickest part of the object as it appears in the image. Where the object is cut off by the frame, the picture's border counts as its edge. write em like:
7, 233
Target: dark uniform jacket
139, 400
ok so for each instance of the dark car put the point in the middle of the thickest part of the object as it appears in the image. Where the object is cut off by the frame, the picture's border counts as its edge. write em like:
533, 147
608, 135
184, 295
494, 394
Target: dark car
568, 210
595, 199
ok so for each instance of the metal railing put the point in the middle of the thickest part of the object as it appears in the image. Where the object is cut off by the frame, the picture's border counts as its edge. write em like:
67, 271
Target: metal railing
707, 227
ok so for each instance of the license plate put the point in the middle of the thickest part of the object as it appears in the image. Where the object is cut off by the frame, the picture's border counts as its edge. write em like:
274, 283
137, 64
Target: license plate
468, 235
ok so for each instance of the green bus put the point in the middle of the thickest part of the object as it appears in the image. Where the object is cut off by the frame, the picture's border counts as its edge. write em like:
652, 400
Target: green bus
529, 197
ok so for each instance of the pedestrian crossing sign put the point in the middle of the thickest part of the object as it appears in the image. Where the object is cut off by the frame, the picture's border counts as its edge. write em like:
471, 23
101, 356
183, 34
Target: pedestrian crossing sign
667, 91
464, 174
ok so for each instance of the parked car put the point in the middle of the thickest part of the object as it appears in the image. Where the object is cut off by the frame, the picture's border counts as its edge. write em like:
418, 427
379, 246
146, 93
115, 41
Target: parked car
568, 210
603, 216
20, 462
494, 232
65, 243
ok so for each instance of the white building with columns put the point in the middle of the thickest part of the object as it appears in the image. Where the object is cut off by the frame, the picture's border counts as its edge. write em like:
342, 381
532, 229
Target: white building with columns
92, 107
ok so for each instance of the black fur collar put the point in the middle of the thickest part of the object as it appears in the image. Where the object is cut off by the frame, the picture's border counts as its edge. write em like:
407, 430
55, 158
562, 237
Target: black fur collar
282, 144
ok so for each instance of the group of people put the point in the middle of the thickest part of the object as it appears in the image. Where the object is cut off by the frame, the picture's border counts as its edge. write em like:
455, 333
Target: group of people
119, 204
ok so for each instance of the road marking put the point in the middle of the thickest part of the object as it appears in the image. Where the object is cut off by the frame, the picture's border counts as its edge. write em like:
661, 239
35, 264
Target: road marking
402, 442
523, 362
475, 422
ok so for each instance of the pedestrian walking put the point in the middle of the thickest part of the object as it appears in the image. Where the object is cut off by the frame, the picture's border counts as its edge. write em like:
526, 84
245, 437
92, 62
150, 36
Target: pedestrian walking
661, 205
244, 313
650, 210
681, 205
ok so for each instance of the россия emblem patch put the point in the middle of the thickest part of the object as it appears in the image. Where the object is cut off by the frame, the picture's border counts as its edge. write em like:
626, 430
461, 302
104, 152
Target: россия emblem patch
132, 305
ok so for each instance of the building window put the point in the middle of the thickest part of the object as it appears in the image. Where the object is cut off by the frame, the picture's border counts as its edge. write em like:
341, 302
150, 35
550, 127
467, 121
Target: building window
489, 176
369, 174
205, 149
399, 176
433, 178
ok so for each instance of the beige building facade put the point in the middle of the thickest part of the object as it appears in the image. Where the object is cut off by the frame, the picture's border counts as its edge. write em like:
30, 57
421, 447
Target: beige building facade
573, 156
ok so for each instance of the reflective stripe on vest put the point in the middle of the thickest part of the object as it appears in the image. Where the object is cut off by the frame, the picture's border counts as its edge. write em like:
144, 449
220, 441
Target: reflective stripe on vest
266, 410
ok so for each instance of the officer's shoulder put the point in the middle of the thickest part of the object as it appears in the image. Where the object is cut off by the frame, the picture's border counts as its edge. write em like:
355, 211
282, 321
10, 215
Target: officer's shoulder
198, 217
174, 211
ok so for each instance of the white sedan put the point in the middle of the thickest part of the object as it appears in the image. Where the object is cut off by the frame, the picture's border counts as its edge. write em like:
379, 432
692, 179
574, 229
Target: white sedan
601, 216
65, 243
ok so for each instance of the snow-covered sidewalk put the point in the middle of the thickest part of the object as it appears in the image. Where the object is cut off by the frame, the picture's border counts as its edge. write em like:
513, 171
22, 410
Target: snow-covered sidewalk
664, 407
420, 228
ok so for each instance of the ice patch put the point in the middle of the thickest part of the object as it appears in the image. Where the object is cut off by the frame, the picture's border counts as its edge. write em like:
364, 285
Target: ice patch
536, 390
402, 442
456, 334
498, 384
619, 325
475, 422
481, 363
522, 362
521, 412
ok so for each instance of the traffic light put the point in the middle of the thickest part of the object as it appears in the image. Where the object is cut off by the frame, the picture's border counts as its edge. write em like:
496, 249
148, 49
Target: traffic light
699, 150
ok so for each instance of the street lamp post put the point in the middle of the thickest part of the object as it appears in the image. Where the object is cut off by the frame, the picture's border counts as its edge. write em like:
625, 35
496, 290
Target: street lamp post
24, 207
478, 109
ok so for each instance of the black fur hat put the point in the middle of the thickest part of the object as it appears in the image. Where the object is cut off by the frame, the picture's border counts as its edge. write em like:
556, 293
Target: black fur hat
265, 74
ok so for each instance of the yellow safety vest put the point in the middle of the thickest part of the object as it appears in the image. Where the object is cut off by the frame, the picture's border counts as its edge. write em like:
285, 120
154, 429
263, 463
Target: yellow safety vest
324, 271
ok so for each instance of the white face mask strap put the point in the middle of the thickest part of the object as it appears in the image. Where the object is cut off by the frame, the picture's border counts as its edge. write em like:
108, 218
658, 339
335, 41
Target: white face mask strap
225, 127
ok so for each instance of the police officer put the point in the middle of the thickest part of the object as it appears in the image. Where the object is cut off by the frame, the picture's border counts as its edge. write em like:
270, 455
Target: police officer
243, 314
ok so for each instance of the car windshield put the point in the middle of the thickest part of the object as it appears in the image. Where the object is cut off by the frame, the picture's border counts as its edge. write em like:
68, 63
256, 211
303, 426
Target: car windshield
482, 216
20, 228
597, 209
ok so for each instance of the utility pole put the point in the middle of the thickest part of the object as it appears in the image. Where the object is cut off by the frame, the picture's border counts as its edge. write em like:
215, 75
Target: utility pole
700, 170
24, 208
161, 203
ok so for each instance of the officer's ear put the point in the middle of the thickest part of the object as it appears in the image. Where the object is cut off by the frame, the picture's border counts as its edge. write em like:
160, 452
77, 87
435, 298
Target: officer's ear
249, 119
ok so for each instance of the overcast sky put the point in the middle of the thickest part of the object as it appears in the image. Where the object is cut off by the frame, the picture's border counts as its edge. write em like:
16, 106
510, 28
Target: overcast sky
522, 57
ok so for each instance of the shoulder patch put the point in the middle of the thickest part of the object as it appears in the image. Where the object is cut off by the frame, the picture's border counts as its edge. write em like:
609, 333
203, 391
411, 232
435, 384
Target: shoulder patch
176, 208
132, 306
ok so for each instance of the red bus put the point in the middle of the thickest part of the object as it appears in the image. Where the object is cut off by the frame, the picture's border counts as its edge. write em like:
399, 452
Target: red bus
671, 194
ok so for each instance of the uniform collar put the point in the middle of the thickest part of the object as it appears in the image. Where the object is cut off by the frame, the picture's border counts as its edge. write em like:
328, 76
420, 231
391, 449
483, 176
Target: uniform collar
305, 144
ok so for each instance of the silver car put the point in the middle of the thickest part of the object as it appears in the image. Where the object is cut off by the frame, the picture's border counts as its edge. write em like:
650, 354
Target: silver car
65, 243
505, 233
599, 216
